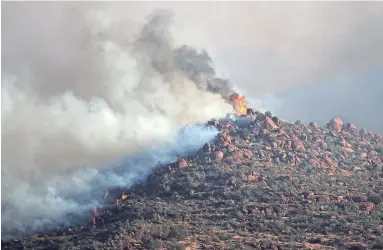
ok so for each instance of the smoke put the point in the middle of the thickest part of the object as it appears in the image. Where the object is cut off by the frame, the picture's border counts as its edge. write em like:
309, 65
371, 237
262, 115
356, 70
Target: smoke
86, 83
81, 89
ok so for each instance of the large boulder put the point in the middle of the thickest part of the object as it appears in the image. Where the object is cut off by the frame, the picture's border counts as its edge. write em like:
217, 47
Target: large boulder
335, 125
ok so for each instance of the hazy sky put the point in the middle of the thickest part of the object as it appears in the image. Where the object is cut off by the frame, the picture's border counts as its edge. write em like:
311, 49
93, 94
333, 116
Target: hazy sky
263, 46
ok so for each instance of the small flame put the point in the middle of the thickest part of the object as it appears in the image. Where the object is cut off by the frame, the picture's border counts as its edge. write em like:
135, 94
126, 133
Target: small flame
239, 104
106, 194
117, 202
95, 212
124, 196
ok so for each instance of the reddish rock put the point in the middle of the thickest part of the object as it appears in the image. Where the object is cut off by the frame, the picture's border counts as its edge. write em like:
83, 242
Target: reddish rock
237, 156
269, 124
351, 127
345, 133
217, 155
314, 162
335, 124
251, 177
367, 206
281, 131
298, 145
247, 154
347, 150
231, 148
181, 163
227, 138
363, 155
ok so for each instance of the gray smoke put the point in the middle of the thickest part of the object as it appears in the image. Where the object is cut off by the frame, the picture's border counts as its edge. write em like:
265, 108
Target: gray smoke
80, 90
88, 82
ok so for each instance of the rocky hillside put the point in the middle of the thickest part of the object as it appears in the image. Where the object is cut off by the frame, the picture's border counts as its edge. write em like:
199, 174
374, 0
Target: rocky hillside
262, 184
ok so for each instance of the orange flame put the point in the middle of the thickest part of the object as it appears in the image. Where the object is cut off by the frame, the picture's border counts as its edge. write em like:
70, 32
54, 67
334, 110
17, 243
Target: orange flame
239, 104
117, 202
95, 215
106, 194
124, 196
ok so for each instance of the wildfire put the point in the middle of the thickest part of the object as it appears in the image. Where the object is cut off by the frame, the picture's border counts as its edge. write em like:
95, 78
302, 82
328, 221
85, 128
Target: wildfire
239, 104
95, 215
124, 196
106, 194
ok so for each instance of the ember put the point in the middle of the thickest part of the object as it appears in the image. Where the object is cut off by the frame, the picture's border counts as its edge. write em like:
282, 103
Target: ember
124, 196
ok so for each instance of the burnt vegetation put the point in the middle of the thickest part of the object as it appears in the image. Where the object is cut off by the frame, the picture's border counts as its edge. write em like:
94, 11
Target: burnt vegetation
261, 184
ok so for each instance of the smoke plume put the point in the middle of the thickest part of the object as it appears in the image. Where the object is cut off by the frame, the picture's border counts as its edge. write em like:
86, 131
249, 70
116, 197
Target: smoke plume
80, 90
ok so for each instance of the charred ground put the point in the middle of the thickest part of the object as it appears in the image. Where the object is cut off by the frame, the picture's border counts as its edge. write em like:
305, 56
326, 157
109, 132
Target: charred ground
262, 184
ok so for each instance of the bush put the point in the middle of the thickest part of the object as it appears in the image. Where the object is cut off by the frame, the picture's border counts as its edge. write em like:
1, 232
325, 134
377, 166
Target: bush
179, 232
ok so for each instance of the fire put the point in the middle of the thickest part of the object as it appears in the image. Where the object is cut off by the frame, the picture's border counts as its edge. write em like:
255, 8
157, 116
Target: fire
106, 194
95, 215
124, 196
95, 212
239, 104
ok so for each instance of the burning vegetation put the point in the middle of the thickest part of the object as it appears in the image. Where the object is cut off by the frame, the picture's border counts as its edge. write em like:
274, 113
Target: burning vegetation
239, 104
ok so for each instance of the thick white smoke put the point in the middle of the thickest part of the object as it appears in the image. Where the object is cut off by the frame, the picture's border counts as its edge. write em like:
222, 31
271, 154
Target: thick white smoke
81, 89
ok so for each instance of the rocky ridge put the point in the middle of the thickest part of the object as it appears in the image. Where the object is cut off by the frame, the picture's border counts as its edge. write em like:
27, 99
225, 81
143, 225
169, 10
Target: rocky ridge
261, 184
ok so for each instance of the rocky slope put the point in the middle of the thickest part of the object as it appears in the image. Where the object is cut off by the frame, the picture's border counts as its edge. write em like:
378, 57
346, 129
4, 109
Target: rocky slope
262, 184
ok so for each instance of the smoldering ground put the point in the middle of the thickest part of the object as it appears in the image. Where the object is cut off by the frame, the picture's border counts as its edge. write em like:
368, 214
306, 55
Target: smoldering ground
78, 94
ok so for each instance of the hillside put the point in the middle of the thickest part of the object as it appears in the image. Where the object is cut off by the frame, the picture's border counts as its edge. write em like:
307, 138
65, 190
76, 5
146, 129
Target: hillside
261, 184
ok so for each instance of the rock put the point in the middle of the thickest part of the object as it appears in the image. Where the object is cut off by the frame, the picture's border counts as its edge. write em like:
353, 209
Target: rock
363, 132
231, 148
181, 163
232, 181
227, 138
335, 125
303, 137
213, 122
247, 154
269, 124
308, 195
351, 127
206, 148
277, 121
314, 162
268, 114
217, 155
298, 122
250, 112
367, 206
357, 199
237, 156
298, 145
313, 124
251, 177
